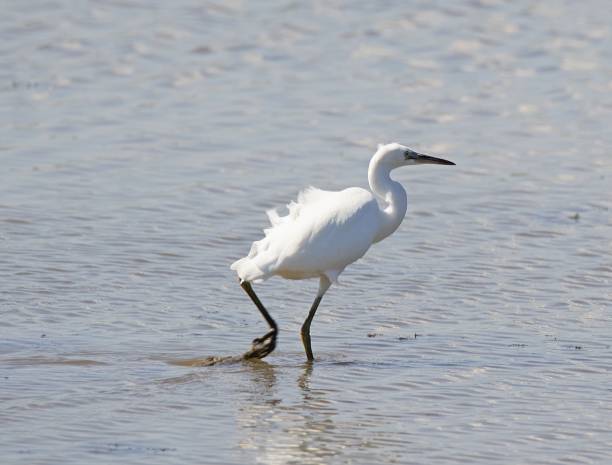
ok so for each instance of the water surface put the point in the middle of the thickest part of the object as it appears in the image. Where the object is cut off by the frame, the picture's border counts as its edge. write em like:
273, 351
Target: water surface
141, 143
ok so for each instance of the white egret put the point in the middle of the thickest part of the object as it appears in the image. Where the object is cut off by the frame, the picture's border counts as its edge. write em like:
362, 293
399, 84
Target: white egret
324, 232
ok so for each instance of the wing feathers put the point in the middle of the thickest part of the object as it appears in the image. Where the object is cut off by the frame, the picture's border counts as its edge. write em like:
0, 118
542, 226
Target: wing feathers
323, 231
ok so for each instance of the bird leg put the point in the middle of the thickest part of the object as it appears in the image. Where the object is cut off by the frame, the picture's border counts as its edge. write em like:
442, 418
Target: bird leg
324, 284
305, 332
265, 344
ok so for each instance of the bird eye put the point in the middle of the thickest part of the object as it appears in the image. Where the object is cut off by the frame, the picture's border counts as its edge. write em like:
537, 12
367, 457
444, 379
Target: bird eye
409, 154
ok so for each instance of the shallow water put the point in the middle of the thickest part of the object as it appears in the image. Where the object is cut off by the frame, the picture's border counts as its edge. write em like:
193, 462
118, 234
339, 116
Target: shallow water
141, 145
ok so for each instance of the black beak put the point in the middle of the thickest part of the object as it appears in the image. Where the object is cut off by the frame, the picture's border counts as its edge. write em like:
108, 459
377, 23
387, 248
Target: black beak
420, 158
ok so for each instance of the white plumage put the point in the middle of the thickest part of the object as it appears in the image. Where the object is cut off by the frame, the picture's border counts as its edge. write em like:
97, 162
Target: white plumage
325, 231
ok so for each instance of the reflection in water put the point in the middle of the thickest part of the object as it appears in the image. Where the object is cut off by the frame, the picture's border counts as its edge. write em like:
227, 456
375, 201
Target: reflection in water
291, 426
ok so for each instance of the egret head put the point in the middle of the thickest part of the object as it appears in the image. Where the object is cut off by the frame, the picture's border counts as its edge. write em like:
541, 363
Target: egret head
399, 155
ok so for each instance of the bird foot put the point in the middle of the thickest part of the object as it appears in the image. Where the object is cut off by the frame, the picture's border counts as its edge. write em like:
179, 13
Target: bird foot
262, 346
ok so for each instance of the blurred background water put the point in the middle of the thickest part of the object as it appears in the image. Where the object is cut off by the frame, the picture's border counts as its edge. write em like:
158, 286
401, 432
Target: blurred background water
142, 141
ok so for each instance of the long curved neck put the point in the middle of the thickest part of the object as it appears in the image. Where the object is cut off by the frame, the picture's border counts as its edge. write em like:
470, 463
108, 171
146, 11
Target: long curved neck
391, 196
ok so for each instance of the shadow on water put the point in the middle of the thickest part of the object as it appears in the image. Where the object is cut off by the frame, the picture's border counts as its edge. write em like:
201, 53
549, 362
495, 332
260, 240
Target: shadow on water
45, 360
261, 348
207, 361
259, 367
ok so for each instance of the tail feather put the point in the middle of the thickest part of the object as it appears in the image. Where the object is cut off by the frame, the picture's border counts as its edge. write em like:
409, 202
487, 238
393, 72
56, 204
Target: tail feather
260, 263
247, 270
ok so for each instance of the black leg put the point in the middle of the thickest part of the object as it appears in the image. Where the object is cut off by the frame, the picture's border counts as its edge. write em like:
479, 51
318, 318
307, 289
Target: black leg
324, 284
306, 328
264, 345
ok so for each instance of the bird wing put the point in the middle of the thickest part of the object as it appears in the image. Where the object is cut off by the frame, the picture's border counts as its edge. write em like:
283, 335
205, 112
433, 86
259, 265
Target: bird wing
323, 232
